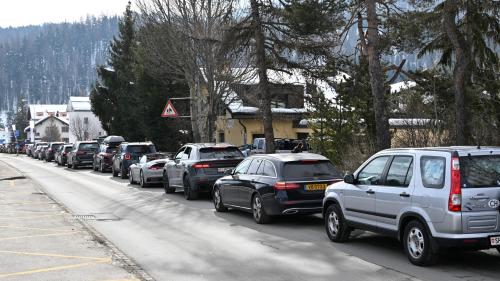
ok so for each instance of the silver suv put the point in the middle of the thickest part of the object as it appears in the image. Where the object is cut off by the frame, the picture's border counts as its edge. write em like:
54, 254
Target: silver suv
428, 198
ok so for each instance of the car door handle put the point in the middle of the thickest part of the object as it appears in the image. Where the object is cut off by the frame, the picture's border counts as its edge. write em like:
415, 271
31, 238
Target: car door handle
404, 194
370, 191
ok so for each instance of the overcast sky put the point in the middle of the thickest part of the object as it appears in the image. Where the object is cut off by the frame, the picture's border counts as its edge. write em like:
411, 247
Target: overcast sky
26, 12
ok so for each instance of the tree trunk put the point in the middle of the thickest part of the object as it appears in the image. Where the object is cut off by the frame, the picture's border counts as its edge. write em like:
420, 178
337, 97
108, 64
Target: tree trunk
376, 78
461, 71
260, 55
193, 109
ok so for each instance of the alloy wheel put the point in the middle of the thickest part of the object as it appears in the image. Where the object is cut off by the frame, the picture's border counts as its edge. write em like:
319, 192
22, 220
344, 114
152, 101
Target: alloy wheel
333, 223
416, 243
257, 208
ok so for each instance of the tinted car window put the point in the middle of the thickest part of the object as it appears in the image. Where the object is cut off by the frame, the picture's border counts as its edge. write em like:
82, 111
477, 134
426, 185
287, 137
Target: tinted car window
432, 171
480, 171
68, 148
56, 146
111, 149
242, 167
141, 149
254, 167
318, 170
399, 171
88, 146
220, 153
372, 172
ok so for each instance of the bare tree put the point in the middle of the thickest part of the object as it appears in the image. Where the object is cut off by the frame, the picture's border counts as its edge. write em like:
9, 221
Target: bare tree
185, 39
52, 132
82, 129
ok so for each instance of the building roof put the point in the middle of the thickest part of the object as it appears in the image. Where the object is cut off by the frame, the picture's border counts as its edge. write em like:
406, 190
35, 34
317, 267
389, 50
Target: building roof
40, 111
79, 104
64, 121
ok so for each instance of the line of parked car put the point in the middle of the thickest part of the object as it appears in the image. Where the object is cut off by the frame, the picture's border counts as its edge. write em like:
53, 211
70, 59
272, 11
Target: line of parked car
430, 199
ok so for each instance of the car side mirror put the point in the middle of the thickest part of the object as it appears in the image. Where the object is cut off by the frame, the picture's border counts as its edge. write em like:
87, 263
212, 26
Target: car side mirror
350, 179
228, 172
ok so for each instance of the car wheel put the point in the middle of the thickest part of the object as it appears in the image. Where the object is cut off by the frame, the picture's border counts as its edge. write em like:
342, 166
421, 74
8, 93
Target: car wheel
189, 193
259, 214
142, 181
418, 245
73, 165
335, 225
115, 173
219, 205
130, 177
166, 185
123, 175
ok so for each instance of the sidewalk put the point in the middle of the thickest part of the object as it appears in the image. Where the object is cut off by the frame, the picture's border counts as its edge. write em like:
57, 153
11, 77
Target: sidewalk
40, 241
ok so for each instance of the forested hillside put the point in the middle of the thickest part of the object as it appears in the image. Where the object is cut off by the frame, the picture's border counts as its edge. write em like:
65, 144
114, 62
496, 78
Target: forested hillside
48, 63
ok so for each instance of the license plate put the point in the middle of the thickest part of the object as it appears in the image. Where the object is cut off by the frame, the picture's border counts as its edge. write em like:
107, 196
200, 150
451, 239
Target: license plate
316, 186
495, 241
222, 170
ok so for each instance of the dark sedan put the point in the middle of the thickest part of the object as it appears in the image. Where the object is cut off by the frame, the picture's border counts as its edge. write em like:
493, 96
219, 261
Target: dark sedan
82, 154
276, 184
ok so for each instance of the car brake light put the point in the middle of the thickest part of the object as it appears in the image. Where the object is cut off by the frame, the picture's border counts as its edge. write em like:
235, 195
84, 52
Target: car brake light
50, 149
155, 168
201, 166
127, 156
286, 185
64, 153
455, 199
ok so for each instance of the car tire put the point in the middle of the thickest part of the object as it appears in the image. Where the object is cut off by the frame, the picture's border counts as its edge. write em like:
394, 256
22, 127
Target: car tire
189, 193
417, 244
259, 213
73, 165
130, 177
166, 185
142, 182
218, 204
115, 173
335, 225
123, 175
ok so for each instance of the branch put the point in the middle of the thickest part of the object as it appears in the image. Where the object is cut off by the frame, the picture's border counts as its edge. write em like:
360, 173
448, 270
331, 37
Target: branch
398, 71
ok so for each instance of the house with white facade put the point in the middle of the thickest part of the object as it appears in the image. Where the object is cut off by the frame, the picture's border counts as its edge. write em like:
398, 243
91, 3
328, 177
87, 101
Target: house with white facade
83, 124
52, 128
39, 117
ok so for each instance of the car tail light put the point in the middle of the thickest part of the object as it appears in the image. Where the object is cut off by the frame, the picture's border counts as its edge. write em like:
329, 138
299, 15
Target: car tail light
64, 153
201, 166
155, 167
127, 156
50, 149
455, 199
286, 185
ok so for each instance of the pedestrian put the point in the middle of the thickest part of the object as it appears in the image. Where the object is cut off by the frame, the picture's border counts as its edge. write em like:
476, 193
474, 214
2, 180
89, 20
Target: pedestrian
298, 148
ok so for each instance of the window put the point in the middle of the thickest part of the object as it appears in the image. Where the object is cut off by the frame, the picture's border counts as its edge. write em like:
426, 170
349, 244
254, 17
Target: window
432, 171
267, 169
372, 172
186, 154
399, 172
254, 167
480, 171
140, 149
307, 170
220, 153
222, 137
260, 144
89, 146
242, 167
65, 129
179, 154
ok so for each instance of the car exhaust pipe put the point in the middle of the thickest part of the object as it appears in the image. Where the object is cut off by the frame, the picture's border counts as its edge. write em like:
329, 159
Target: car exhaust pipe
290, 212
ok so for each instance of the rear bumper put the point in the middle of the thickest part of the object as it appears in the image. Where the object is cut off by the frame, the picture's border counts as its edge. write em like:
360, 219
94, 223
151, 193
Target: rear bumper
472, 243
204, 183
276, 207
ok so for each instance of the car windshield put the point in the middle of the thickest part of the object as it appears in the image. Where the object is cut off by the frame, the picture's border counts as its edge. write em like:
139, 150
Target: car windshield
141, 149
480, 171
88, 146
220, 153
313, 170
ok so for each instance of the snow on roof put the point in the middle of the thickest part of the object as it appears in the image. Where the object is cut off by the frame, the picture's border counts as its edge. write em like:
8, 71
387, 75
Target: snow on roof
53, 116
402, 122
39, 111
404, 85
79, 104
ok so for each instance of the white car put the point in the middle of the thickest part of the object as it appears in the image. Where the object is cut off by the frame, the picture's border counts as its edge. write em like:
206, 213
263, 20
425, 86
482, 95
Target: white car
149, 170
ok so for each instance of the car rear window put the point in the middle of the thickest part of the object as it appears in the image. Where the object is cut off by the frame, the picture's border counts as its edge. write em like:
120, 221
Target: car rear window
68, 148
88, 146
314, 170
480, 171
141, 149
111, 149
220, 153
56, 146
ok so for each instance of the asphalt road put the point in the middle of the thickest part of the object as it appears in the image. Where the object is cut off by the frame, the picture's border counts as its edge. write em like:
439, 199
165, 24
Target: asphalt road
175, 239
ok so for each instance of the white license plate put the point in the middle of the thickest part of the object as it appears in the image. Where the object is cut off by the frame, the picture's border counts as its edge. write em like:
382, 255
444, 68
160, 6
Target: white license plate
495, 241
